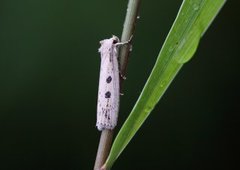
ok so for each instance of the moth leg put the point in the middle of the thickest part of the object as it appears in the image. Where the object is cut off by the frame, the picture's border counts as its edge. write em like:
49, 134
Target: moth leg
125, 42
122, 76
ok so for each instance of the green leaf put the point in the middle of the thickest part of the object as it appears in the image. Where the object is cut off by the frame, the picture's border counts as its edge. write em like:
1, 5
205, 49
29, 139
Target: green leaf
193, 19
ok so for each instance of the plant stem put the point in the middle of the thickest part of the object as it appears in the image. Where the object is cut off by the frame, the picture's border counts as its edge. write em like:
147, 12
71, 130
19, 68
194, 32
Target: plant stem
128, 30
103, 148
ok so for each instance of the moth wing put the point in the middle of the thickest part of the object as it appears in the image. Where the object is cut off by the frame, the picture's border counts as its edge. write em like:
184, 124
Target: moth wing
108, 94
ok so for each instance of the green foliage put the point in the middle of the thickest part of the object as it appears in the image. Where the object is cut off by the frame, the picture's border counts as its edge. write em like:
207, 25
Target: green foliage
192, 21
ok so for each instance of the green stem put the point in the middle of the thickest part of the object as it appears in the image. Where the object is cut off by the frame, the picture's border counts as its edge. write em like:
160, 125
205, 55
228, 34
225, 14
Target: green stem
128, 30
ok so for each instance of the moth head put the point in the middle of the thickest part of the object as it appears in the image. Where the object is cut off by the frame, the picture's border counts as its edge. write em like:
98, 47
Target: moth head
108, 44
115, 39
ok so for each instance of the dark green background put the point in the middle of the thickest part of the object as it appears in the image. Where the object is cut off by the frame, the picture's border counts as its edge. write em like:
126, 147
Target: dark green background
49, 69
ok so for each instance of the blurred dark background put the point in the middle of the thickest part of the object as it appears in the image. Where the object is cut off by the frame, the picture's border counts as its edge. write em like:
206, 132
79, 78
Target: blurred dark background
49, 68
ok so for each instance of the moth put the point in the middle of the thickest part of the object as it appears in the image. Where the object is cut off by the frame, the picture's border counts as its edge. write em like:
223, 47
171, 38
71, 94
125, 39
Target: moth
108, 90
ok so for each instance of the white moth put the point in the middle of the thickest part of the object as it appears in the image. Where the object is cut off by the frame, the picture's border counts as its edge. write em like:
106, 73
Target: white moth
108, 92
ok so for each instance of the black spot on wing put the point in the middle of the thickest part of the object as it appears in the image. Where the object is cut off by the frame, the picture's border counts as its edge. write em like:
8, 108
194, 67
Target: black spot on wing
109, 79
108, 94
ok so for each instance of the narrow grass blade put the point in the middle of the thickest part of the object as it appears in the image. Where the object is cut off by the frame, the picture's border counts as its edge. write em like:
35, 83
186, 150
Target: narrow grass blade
192, 21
